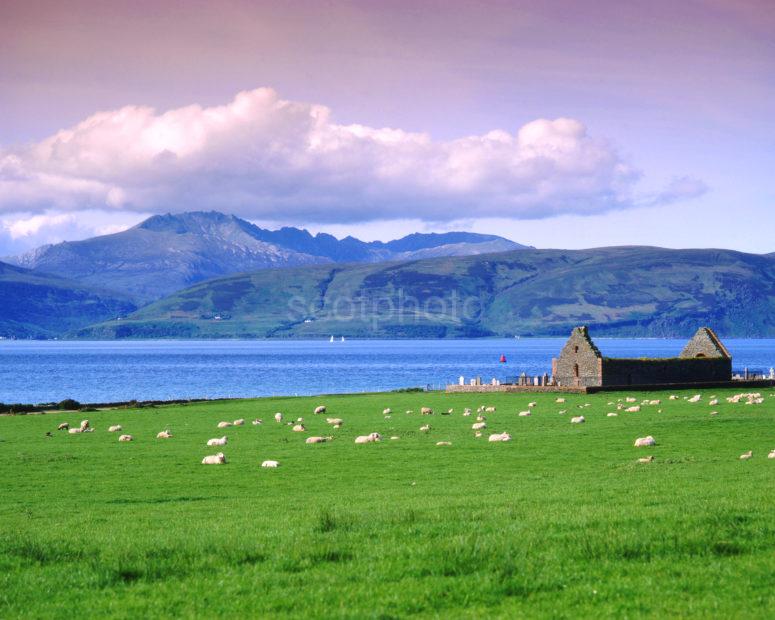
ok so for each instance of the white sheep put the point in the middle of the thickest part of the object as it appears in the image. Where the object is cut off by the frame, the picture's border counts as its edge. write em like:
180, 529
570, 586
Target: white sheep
612, 415
317, 439
633, 409
673, 397
443, 443
499, 437
116, 428
165, 434
299, 428
240, 422
217, 441
84, 425
746, 455
278, 417
579, 419
559, 400
387, 411
630, 399
646, 459
478, 434
531, 405
489, 409
63, 427
425, 428
74, 431
257, 421
320, 409
771, 455
696, 398
477, 426
271, 464
642, 442
224, 424
524, 414
713, 402
466, 412
125, 438
370, 438
214, 459
395, 437
337, 422
426, 411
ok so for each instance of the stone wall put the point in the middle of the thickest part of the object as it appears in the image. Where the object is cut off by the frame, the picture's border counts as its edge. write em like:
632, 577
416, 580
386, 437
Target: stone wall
672, 370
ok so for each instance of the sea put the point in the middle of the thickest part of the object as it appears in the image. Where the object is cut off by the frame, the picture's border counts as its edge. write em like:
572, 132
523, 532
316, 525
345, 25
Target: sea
100, 372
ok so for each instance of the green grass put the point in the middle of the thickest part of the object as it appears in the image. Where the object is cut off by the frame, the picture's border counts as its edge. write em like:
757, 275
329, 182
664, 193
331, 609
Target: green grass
561, 522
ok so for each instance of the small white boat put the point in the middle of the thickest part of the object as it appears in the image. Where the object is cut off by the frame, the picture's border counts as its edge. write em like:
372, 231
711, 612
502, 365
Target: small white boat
332, 339
342, 340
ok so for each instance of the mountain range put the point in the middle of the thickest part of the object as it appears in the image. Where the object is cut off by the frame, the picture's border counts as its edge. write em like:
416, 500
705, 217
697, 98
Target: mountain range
620, 291
166, 253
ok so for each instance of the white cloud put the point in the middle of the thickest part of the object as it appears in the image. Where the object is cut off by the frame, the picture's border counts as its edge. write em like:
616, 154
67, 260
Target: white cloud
263, 157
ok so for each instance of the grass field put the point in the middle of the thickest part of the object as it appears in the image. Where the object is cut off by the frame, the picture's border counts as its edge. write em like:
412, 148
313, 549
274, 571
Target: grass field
561, 522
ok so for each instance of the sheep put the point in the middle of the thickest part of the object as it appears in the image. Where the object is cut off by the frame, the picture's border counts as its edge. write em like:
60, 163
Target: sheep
480, 418
630, 399
74, 431
317, 439
633, 409
84, 425
217, 441
394, 438
646, 459
489, 409
466, 412
387, 411
443, 443
115, 428
771, 455
320, 409
299, 428
524, 414
278, 417
499, 437
695, 399
214, 459
714, 413
562, 411
673, 397
165, 434
240, 422
559, 400
477, 426
299, 420
426, 411
713, 402
337, 422
612, 415
224, 424
125, 438
478, 434
370, 438
655, 402
425, 428
63, 427
257, 421
579, 419
642, 442
746, 455
270, 464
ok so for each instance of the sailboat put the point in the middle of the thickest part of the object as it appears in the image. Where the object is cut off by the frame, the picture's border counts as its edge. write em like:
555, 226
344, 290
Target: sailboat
342, 340
332, 339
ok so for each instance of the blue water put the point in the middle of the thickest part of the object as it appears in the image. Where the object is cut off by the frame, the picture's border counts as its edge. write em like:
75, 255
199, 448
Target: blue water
49, 371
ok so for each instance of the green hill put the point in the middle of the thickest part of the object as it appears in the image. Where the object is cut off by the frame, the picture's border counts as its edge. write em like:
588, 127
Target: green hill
621, 291
36, 305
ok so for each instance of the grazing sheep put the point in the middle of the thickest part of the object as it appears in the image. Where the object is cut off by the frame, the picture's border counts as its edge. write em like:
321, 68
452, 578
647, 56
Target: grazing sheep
499, 437
466, 412
271, 464
443, 443
524, 414
224, 424
642, 442
425, 428
713, 402
489, 409
579, 419
218, 441
257, 421
320, 409
746, 455
125, 438
74, 431
696, 398
559, 400
214, 459
633, 409
387, 411
370, 438
771, 455
612, 415
63, 427
164, 435
673, 397
630, 399
299, 420
278, 417
562, 411
478, 434
317, 439
646, 459
240, 422
116, 428
426, 411
655, 402
480, 418
477, 426
298, 428
531, 405
337, 422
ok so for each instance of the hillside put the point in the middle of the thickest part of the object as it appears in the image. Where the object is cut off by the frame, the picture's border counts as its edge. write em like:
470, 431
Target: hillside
621, 291
42, 306
166, 253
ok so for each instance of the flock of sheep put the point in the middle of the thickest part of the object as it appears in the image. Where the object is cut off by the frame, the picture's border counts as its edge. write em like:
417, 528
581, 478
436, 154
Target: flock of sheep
627, 404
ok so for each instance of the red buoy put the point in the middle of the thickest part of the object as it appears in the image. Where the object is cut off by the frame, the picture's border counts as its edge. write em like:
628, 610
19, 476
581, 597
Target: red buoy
503, 359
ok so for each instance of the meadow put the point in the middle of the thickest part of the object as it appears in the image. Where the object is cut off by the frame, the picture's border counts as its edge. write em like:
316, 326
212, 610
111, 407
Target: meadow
561, 522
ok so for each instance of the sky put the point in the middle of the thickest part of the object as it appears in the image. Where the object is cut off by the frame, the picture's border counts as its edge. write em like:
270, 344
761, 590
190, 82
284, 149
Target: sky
553, 123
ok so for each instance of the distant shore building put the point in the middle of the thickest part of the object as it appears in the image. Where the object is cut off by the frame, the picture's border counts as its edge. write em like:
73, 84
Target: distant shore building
580, 364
